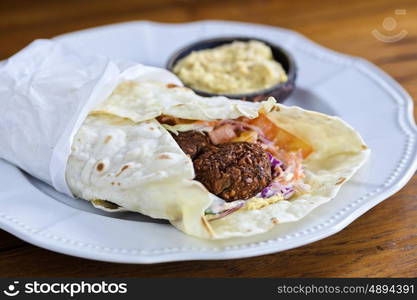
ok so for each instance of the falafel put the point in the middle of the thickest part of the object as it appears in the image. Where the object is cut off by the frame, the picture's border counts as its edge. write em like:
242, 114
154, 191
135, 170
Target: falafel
234, 170
192, 142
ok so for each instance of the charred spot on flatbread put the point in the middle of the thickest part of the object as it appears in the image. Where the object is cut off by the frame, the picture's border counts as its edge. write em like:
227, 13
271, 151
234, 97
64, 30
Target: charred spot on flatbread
100, 167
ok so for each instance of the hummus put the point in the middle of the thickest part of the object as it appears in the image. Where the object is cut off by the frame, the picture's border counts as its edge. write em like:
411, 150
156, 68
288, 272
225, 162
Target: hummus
235, 68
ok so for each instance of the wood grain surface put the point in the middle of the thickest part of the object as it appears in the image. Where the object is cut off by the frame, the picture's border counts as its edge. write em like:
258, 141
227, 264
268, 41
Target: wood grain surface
381, 243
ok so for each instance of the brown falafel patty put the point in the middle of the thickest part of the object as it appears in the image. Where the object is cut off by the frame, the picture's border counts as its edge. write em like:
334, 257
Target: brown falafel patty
191, 142
234, 171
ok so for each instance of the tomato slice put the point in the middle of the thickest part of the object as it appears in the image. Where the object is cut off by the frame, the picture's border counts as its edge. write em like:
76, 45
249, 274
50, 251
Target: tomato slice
281, 138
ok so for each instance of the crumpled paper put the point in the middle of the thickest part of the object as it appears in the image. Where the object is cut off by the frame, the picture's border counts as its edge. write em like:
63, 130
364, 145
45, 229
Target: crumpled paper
46, 92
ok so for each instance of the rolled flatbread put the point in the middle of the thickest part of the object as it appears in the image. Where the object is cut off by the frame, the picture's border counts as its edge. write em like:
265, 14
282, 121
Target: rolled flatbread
112, 133
125, 157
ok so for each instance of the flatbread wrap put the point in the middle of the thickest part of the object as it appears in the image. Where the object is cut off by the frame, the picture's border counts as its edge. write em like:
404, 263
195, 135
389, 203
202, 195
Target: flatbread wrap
214, 167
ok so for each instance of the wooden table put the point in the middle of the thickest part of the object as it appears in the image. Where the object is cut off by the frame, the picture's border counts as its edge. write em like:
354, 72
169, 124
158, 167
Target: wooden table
382, 243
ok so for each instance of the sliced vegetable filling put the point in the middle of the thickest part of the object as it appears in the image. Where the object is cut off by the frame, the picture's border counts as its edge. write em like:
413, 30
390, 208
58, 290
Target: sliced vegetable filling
245, 163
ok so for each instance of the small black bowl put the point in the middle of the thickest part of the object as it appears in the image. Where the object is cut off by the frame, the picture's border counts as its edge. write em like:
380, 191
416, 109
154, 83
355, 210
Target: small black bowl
279, 91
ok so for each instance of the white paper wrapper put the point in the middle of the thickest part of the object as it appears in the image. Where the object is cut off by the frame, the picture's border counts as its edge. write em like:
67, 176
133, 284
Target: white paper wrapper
46, 92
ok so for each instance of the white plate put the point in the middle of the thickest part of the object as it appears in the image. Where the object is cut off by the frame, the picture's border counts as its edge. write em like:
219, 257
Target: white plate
328, 82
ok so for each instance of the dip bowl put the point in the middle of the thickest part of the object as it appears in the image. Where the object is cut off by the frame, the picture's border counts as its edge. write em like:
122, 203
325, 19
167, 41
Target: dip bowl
280, 91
